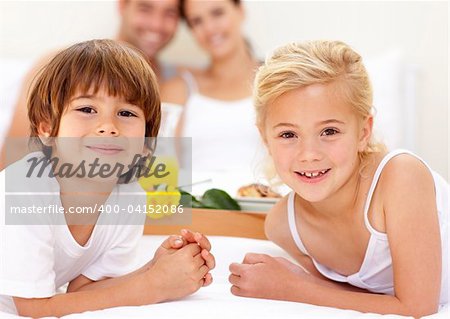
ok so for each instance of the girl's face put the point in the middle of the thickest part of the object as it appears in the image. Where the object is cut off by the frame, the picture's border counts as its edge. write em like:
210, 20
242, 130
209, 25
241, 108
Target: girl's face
100, 127
216, 25
314, 137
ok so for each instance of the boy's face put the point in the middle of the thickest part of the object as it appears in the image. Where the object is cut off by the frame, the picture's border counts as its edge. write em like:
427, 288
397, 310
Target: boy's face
314, 137
100, 126
148, 24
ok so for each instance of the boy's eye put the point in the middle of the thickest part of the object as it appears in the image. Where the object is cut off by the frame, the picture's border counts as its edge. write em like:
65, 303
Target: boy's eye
286, 135
217, 12
127, 114
329, 131
172, 13
86, 109
195, 22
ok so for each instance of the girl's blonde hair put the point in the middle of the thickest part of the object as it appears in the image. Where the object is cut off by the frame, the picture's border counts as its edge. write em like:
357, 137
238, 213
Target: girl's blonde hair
297, 65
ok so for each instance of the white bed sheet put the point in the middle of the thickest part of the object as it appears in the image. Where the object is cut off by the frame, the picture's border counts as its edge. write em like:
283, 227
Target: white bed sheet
217, 301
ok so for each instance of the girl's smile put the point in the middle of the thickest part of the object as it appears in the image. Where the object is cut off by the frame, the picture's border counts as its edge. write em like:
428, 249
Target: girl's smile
312, 176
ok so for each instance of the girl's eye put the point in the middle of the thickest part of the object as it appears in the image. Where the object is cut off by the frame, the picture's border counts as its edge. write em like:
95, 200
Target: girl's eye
86, 109
286, 135
127, 114
329, 131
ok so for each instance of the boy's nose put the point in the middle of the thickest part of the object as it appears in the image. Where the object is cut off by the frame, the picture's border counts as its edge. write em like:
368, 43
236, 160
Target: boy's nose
107, 129
104, 132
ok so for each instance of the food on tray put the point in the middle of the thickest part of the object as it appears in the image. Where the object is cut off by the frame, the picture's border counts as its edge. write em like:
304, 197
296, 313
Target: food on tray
257, 190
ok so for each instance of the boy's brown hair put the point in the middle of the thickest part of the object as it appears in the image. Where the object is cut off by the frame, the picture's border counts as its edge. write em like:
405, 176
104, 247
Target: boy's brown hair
117, 67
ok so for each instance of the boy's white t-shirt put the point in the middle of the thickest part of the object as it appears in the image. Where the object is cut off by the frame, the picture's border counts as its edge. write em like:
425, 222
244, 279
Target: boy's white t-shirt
35, 260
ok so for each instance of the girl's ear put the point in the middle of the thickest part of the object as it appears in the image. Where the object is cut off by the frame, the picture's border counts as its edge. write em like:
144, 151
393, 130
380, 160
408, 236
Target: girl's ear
262, 134
121, 6
264, 139
241, 11
365, 133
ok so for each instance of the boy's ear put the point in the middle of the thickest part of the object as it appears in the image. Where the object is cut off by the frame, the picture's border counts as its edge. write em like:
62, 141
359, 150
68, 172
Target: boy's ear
44, 130
365, 133
146, 151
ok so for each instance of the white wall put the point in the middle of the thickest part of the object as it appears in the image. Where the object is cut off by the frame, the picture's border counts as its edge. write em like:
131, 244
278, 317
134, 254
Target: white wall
419, 29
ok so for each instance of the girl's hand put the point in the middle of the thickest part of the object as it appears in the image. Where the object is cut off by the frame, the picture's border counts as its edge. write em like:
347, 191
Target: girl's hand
263, 276
296, 269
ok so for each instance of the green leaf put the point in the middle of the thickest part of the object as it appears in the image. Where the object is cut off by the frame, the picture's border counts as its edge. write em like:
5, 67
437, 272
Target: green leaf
219, 199
212, 199
187, 200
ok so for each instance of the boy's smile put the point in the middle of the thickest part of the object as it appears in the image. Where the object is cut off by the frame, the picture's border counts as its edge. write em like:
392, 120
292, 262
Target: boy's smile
105, 149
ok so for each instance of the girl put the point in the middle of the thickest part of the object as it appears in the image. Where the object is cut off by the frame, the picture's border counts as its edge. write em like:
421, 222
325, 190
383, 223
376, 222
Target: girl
218, 96
90, 109
368, 227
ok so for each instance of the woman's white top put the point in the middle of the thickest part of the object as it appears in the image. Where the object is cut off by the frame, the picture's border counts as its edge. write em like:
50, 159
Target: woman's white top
224, 134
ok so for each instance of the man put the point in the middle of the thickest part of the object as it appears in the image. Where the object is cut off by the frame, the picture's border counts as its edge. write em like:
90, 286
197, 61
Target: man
148, 25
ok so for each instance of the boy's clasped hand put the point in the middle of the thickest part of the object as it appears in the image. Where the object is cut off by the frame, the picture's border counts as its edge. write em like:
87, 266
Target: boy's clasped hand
182, 264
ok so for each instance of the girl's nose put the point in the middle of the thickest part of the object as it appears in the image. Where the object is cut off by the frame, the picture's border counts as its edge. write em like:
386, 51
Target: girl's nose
310, 151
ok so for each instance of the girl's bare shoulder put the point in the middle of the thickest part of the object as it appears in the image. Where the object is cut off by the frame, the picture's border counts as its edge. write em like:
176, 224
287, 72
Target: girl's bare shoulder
406, 184
276, 224
404, 170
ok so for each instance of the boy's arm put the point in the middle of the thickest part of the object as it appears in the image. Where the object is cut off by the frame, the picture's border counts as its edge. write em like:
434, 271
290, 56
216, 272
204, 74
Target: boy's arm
125, 293
171, 277
171, 244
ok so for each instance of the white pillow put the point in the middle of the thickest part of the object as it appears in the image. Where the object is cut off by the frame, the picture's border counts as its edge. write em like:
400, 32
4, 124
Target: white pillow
12, 72
394, 99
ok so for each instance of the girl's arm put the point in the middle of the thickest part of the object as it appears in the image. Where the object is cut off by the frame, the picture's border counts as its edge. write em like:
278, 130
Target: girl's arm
412, 226
275, 227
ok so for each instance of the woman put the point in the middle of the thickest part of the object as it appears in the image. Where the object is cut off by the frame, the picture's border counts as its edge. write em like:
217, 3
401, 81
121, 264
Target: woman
217, 107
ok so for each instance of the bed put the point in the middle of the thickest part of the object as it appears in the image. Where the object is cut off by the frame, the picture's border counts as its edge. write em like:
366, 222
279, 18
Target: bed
216, 300
233, 234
